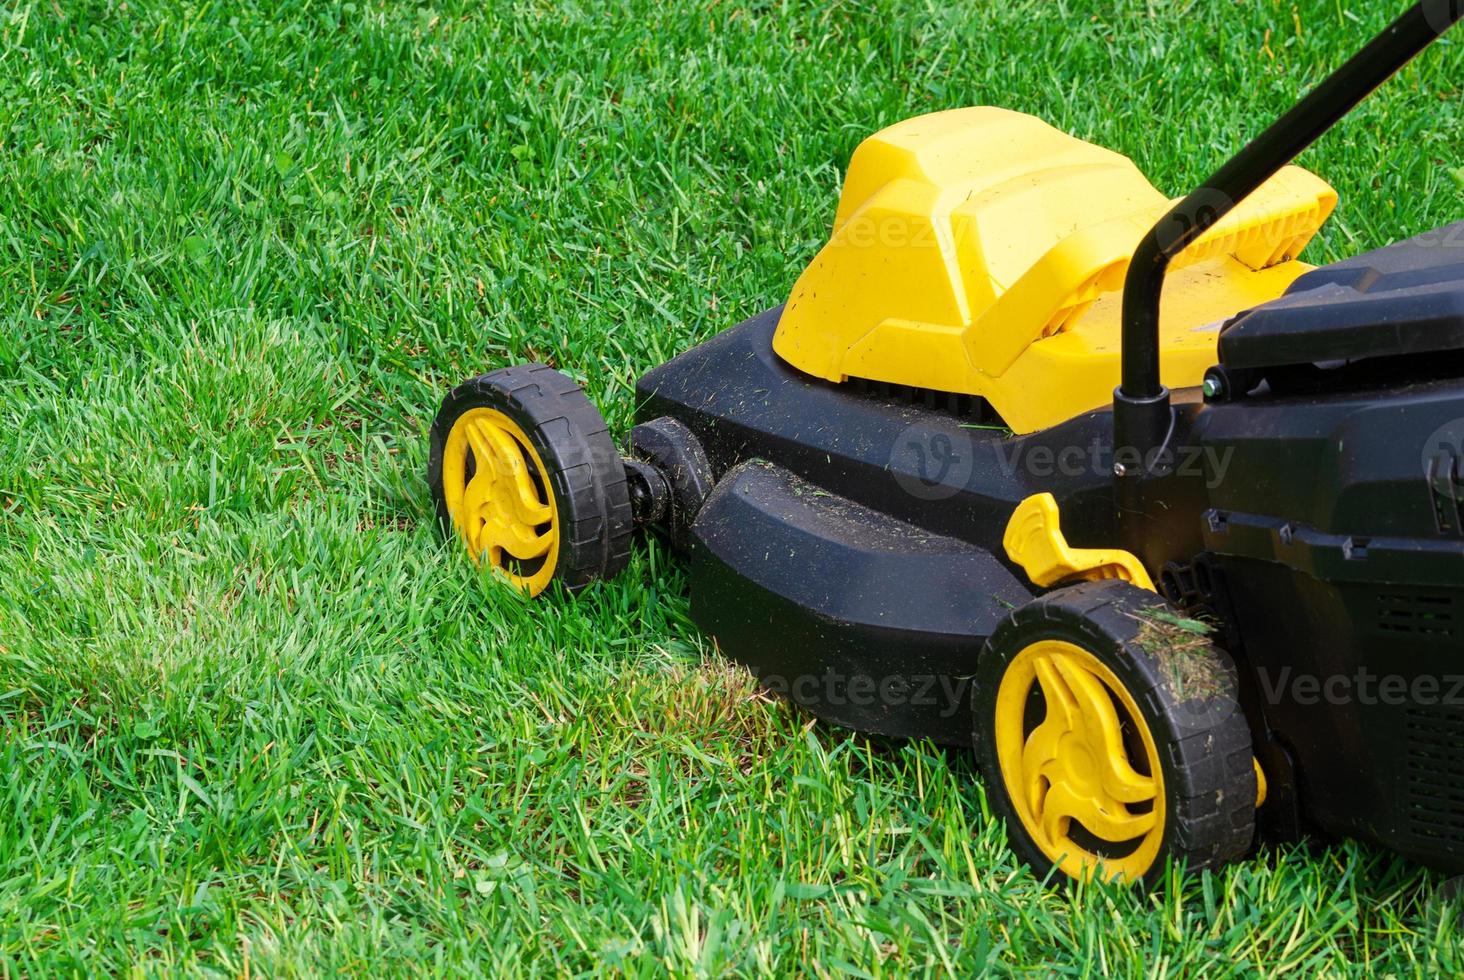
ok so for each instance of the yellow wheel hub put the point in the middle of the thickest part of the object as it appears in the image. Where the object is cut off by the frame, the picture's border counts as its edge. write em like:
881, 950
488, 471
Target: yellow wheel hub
1083, 774
498, 495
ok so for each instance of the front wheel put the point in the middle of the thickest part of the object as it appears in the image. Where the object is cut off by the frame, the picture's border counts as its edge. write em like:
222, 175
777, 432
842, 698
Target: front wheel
1110, 737
523, 470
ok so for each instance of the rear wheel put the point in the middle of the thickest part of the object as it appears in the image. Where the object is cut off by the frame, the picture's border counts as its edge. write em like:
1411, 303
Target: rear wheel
523, 470
1110, 738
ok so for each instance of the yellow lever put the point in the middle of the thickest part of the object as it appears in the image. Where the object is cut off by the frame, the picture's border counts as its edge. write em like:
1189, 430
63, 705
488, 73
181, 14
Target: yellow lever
1034, 541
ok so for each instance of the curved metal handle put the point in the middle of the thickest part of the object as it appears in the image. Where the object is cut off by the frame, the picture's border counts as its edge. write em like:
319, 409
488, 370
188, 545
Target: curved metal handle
1141, 393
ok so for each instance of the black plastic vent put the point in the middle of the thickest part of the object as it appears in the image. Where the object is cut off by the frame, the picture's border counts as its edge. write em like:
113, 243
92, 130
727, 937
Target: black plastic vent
969, 407
1434, 778
1430, 617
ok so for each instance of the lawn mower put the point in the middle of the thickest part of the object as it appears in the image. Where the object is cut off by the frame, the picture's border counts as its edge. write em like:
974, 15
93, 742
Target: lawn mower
1184, 566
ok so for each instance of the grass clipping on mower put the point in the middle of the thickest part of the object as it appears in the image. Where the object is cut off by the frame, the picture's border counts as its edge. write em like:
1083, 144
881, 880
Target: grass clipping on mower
1181, 647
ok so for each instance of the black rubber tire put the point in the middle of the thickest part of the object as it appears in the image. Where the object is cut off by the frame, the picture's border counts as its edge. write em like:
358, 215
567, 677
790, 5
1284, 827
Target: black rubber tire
1203, 739
584, 469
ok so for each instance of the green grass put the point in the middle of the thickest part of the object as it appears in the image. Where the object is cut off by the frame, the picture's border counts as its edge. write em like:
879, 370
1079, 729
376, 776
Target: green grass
258, 718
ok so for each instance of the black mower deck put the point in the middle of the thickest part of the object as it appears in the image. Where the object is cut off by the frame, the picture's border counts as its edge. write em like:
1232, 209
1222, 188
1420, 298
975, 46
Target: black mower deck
841, 554
867, 621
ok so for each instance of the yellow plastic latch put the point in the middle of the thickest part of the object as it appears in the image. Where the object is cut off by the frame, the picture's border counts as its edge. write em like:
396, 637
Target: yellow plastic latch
1034, 540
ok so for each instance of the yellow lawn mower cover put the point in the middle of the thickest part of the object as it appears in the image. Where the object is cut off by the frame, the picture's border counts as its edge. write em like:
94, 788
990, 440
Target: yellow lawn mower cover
981, 251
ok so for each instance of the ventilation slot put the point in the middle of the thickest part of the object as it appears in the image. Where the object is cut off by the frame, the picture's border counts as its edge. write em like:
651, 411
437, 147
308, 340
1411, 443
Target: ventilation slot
1424, 616
1434, 778
966, 407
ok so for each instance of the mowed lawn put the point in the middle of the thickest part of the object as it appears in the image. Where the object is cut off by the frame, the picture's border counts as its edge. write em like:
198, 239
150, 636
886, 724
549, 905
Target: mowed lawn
257, 718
